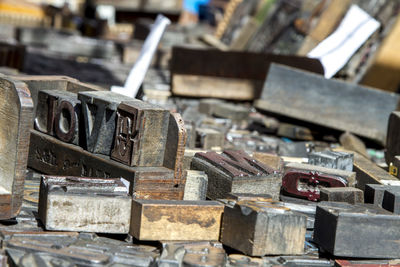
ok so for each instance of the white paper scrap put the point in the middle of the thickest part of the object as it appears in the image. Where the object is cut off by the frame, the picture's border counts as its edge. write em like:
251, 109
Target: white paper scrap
139, 70
336, 50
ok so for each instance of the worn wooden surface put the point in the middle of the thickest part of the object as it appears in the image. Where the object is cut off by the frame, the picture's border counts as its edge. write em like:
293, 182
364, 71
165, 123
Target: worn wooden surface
342, 194
236, 172
141, 134
377, 230
51, 156
196, 185
175, 146
16, 110
263, 228
333, 104
84, 204
208, 138
176, 220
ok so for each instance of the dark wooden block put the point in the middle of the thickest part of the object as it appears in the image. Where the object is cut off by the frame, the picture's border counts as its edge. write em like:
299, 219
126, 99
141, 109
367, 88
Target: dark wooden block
295, 132
176, 220
330, 103
263, 228
16, 114
342, 194
236, 172
84, 204
376, 230
58, 114
141, 134
51, 156
99, 117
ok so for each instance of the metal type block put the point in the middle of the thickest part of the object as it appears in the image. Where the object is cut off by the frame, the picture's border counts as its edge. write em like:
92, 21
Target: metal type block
332, 159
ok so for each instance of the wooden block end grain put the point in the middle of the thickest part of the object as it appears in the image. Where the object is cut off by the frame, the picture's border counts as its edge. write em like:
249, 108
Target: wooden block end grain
176, 220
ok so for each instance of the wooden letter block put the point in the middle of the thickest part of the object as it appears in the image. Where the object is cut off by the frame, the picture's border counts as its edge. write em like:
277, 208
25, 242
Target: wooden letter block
16, 110
84, 204
236, 172
358, 231
58, 114
196, 185
342, 194
141, 134
176, 220
208, 138
263, 228
99, 115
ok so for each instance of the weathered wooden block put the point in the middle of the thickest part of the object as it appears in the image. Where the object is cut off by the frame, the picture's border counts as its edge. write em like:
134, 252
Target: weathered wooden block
294, 132
332, 159
16, 109
208, 138
230, 111
312, 98
342, 194
353, 143
377, 230
269, 159
49, 155
175, 220
392, 139
196, 185
84, 204
141, 134
58, 114
99, 117
175, 146
263, 228
236, 172
305, 181
391, 199
249, 197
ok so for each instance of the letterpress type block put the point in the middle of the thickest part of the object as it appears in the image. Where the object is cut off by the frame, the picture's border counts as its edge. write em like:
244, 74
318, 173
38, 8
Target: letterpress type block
236, 172
196, 185
373, 193
84, 204
342, 194
208, 138
391, 199
16, 109
175, 220
141, 134
332, 159
263, 228
99, 115
358, 231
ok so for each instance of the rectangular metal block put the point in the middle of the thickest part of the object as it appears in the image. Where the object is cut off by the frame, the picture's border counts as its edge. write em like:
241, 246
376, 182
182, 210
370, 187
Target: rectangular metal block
16, 108
85, 204
196, 185
176, 220
141, 134
49, 155
263, 228
373, 193
330, 103
391, 198
99, 110
377, 230
342, 194
58, 114
236, 172
332, 159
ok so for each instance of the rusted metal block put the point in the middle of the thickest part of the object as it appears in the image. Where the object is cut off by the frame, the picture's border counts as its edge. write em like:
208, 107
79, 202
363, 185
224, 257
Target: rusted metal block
99, 110
141, 134
208, 138
51, 156
175, 146
304, 180
377, 230
58, 114
196, 185
342, 194
295, 132
175, 220
82, 250
263, 228
84, 204
16, 118
236, 172
332, 159
311, 98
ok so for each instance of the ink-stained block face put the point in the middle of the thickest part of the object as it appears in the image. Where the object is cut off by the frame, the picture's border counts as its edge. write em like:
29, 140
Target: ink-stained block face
16, 119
